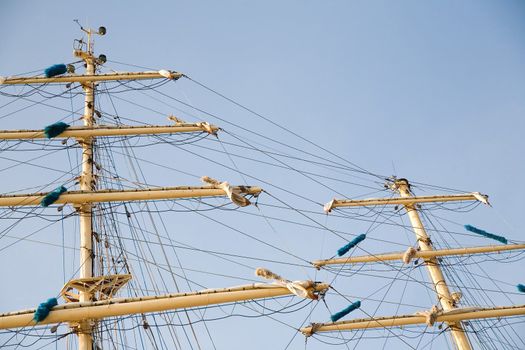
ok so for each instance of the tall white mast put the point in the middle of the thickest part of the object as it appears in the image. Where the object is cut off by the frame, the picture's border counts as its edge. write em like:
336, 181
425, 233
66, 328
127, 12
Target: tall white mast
90, 298
425, 246
434, 270
85, 329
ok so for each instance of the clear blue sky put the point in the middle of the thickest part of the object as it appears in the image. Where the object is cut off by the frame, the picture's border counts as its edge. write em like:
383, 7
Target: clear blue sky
433, 91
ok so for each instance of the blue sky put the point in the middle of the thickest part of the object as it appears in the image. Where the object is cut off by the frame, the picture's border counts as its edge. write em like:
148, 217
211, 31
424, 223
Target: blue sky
433, 91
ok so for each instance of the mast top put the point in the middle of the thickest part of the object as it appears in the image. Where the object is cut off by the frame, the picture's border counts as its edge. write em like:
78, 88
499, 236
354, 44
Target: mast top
85, 50
393, 183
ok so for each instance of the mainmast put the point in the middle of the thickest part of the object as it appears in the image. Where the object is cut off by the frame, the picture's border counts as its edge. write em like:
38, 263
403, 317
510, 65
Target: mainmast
91, 298
87, 183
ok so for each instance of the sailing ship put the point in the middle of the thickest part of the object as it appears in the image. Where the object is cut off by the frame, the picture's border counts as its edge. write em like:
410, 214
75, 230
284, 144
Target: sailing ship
214, 263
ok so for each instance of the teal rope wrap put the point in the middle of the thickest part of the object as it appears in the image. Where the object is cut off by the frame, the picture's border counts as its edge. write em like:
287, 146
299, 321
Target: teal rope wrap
55, 70
43, 309
486, 234
52, 197
346, 311
521, 288
343, 250
55, 129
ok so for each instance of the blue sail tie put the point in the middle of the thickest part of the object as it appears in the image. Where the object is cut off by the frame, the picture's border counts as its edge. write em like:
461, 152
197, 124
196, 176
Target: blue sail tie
521, 288
55, 129
55, 70
486, 234
346, 311
52, 197
43, 309
344, 249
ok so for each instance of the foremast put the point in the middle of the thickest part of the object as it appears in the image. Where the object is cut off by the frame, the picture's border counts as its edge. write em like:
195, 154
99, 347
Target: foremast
444, 295
449, 313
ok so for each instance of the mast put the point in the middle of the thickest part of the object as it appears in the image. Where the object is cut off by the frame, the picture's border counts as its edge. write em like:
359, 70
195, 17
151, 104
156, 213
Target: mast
90, 298
85, 329
449, 313
434, 270
425, 245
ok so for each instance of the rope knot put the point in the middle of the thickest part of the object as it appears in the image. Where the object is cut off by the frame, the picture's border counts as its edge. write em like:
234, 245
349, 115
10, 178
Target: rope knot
233, 193
296, 287
430, 315
409, 255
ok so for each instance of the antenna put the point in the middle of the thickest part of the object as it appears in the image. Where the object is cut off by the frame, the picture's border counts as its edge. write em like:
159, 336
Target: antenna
100, 31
